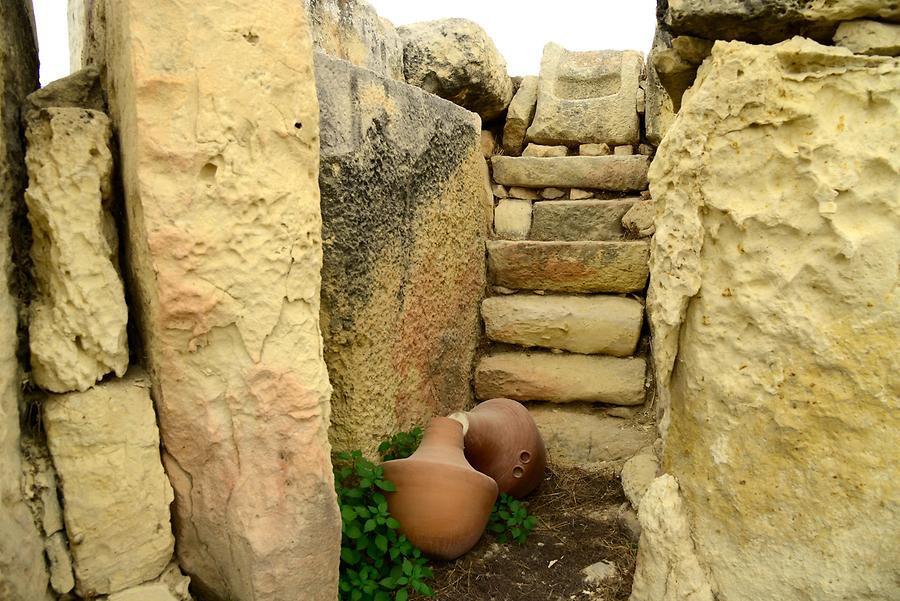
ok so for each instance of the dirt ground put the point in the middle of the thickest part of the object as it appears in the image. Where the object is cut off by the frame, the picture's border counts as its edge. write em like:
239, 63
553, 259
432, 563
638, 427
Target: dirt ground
580, 522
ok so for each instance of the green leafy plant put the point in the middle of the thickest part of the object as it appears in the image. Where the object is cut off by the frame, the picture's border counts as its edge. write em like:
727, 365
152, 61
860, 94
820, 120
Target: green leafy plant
377, 562
510, 520
400, 445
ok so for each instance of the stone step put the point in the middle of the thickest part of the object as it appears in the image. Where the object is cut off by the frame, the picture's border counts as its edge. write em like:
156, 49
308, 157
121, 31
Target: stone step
607, 325
574, 220
569, 266
577, 434
560, 378
617, 173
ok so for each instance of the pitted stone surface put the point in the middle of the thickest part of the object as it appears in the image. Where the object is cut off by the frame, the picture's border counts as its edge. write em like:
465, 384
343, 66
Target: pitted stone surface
569, 266
105, 447
456, 59
23, 571
222, 203
512, 218
869, 37
775, 317
560, 378
405, 214
78, 318
587, 97
607, 325
574, 220
616, 173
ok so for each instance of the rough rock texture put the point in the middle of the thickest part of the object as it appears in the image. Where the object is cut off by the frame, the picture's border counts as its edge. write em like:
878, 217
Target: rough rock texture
771, 21
512, 218
224, 244
637, 475
538, 150
775, 318
455, 59
639, 220
560, 378
78, 317
353, 31
569, 266
519, 115
171, 585
23, 573
676, 66
406, 212
667, 565
579, 435
659, 111
587, 97
105, 447
869, 37
81, 89
580, 219
617, 173
607, 325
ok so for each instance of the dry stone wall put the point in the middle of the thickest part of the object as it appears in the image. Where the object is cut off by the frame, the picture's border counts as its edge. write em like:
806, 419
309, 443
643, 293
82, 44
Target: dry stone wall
566, 316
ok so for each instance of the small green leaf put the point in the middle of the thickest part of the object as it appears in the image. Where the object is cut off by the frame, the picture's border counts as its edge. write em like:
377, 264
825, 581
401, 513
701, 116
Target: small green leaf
381, 542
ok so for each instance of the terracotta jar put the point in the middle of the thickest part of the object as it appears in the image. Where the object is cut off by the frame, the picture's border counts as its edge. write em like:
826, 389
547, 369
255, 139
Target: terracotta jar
502, 441
442, 503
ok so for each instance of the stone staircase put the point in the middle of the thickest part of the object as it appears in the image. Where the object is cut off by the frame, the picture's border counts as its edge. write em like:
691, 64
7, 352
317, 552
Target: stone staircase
566, 313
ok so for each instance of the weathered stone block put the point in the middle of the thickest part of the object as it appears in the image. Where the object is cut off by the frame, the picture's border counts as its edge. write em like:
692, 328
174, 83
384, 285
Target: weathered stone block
616, 173
537, 150
23, 572
105, 447
659, 109
552, 193
580, 219
578, 435
560, 378
639, 221
637, 475
403, 197
587, 97
771, 21
524, 193
351, 30
776, 317
594, 150
569, 266
606, 325
869, 37
221, 163
512, 218
456, 59
78, 318
519, 116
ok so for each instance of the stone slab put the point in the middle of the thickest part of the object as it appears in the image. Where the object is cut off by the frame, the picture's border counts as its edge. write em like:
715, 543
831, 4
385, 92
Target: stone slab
560, 378
606, 325
224, 239
78, 323
569, 266
580, 219
869, 37
616, 173
587, 97
23, 571
405, 216
538, 150
105, 447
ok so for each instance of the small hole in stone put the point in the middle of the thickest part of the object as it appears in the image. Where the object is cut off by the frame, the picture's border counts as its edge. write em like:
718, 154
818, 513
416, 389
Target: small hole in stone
95, 152
251, 37
518, 471
298, 125
208, 173
524, 456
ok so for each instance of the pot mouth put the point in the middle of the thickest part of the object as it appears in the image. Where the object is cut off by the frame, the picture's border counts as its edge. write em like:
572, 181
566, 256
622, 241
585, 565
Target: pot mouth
462, 418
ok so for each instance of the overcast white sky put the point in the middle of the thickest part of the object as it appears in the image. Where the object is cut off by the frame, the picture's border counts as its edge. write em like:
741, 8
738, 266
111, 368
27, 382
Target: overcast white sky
519, 28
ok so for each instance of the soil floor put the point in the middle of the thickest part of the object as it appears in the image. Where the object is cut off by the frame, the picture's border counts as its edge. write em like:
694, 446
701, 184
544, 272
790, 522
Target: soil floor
583, 518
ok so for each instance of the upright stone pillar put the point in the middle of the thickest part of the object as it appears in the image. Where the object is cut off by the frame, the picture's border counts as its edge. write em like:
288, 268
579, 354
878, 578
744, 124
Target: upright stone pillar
775, 306
23, 572
216, 111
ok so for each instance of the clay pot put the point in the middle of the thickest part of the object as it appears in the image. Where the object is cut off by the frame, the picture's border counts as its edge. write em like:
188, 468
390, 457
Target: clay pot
442, 503
502, 441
